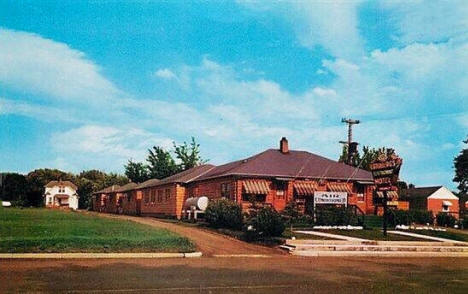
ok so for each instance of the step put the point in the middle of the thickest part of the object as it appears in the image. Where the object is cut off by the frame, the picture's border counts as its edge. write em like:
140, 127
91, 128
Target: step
380, 248
394, 254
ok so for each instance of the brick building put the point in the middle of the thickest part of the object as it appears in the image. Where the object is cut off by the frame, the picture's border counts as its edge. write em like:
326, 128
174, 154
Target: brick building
273, 177
436, 199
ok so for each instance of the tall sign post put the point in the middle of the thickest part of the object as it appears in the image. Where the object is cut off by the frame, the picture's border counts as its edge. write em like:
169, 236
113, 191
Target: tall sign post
385, 170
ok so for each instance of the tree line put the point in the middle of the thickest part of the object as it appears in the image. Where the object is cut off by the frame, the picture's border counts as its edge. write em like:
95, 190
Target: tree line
28, 190
161, 163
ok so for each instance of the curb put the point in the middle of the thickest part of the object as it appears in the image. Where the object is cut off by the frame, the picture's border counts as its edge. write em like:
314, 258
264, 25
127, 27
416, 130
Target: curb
97, 255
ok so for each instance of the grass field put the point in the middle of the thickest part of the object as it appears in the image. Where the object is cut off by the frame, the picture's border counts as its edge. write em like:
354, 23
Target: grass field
44, 230
449, 234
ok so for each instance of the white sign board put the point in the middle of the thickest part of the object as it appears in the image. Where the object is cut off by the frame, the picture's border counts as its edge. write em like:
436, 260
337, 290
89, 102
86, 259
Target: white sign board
330, 198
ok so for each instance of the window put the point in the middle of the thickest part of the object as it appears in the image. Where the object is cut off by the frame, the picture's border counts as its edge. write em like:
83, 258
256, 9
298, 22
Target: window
226, 190
153, 196
280, 187
160, 195
61, 189
253, 197
168, 194
445, 208
146, 196
49, 200
360, 189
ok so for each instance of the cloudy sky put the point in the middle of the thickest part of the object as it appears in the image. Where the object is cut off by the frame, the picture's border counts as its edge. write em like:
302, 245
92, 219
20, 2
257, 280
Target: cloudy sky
90, 84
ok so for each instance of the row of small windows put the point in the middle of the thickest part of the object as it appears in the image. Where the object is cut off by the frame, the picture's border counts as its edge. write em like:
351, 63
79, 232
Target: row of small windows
150, 196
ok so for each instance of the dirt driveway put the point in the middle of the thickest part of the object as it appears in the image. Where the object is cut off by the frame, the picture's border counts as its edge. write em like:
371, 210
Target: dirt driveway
208, 242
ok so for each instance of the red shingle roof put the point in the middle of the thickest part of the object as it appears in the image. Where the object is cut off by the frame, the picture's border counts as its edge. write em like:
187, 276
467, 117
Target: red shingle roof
294, 164
182, 177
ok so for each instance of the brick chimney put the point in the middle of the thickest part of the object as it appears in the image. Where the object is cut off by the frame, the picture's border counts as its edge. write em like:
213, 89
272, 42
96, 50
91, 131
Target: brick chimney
284, 148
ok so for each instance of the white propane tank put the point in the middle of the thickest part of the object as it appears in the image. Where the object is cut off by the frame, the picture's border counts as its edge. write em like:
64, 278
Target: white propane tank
200, 203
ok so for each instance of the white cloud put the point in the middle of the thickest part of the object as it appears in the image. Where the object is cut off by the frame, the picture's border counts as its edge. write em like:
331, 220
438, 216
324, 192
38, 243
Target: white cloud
165, 73
331, 24
31, 63
428, 21
109, 147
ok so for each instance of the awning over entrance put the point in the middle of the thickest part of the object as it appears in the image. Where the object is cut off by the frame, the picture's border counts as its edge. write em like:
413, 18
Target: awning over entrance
338, 187
256, 187
305, 188
447, 203
390, 194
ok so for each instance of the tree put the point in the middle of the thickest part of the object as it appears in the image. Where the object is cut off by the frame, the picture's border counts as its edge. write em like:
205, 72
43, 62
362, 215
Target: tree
461, 170
137, 172
188, 154
13, 187
160, 163
354, 160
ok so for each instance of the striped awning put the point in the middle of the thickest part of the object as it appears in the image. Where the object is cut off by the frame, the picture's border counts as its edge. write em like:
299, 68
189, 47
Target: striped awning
256, 187
305, 188
390, 194
338, 187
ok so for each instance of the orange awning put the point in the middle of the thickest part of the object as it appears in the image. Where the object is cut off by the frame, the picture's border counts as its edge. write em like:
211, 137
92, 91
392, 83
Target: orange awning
338, 187
256, 187
305, 188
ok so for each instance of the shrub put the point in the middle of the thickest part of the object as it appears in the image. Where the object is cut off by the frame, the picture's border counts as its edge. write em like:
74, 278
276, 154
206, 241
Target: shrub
407, 217
464, 223
224, 213
336, 216
265, 222
445, 219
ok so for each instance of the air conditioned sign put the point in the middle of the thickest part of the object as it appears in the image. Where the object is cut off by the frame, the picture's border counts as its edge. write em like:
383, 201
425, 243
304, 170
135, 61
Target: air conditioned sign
330, 198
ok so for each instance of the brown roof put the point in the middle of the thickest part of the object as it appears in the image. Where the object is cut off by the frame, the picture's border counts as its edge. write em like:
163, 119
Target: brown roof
127, 187
61, 183
109, 189
182, 177
419, 192
149, 183
294, 164
417, 197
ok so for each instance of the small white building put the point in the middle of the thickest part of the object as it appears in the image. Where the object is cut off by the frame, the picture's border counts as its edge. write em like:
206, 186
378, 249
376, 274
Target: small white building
61, 194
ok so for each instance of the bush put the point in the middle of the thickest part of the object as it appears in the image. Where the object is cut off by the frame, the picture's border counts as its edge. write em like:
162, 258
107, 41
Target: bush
407, 217
464, 223
224, 213
336, 216
265, 222
445, 219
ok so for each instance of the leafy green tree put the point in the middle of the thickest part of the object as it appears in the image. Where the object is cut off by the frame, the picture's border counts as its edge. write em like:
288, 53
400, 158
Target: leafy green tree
188, 154
160, 163
461, 170
137, 172
13, 187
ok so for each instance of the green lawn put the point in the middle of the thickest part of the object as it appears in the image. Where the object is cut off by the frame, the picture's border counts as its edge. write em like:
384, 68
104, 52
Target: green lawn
449, 234
44, 230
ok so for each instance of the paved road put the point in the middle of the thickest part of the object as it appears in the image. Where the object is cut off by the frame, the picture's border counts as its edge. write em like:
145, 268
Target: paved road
208, 242
237, 275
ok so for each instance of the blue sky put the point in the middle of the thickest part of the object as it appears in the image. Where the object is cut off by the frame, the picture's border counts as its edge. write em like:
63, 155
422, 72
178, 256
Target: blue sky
90, 84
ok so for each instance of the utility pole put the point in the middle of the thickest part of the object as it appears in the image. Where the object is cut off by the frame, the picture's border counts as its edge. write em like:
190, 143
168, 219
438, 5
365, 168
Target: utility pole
350, 145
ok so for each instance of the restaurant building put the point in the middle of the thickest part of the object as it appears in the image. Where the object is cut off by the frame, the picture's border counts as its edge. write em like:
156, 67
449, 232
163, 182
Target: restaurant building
273, 178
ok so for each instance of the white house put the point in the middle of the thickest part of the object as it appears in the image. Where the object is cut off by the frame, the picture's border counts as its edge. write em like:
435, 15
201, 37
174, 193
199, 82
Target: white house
61, 194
